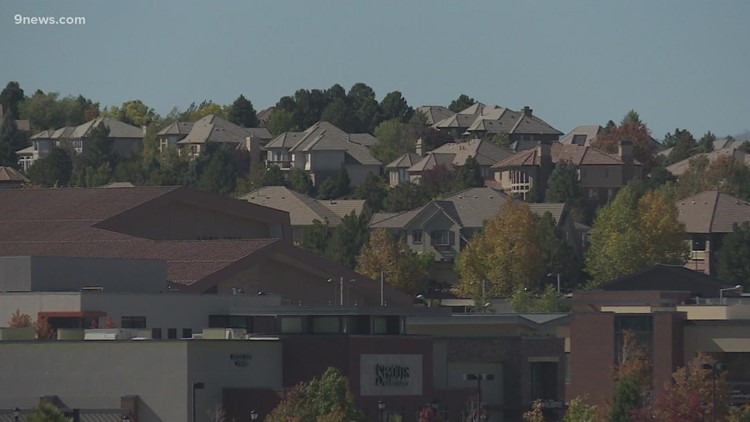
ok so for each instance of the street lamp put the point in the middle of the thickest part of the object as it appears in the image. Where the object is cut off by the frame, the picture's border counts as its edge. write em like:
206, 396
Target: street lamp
196, 386
728, 289
718, 367
16, 413
253, 415
478, 378
381, 408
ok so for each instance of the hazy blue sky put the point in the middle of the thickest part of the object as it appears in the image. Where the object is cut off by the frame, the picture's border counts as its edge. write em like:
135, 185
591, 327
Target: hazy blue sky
678, 63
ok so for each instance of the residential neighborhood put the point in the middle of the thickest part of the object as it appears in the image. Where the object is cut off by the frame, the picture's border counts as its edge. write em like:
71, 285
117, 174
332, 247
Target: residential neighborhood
465, 262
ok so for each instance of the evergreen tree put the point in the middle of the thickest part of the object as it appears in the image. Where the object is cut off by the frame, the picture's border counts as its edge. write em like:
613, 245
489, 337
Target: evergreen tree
347, 240
405, 197
734, 255
242, 113
216, 170
317, 237
10, 141
469, 175
373, 190
11, 98
300, 182
394, 106
463, 101
52, 170
625, 400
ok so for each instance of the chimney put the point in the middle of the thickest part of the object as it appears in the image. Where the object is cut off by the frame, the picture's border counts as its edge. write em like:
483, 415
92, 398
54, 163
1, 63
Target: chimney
252, 143
527, 111
625, 151
144, 128
420, 147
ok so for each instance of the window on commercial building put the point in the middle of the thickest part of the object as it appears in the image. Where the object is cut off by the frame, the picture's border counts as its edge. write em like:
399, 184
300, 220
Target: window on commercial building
187, 333
171, 333
133, 322
568, 368
416, 236
543, 380
156, 333
642, 327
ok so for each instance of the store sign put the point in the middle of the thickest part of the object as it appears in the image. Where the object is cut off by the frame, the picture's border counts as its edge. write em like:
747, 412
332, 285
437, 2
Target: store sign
240, 359
382, 375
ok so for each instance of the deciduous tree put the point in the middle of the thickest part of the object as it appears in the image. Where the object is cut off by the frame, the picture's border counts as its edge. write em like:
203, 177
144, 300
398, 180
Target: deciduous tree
281, 121
630, 235
46, 412
406, 270
503, 254
394, 138
19, 320
580, 411
318, 400
632, 129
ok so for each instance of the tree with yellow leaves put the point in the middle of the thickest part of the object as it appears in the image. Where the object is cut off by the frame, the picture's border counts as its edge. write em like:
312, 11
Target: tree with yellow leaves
404, 269
505, 255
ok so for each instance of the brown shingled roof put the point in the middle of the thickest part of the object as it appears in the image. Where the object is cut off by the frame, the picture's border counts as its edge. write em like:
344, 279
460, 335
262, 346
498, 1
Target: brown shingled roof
712, 212
9, 174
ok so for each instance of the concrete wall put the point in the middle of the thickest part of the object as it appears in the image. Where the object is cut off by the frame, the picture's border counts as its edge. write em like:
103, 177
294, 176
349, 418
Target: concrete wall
91, 375
163, 311
51, 274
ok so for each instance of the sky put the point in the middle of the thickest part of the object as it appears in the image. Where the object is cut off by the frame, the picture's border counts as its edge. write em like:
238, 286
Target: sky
678, 63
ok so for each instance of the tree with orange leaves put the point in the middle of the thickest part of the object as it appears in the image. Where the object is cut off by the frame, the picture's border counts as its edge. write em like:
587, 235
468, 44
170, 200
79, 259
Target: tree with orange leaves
631, 128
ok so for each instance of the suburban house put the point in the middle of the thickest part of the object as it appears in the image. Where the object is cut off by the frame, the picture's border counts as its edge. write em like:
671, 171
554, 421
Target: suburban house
708, 217
674, 313
434, 114
582, 135
451, 155
170, 135
11, 178
601, 174
443, 227
733, 153
303, 210
483, 121
211, 244
192, 138
322, 150
126, 140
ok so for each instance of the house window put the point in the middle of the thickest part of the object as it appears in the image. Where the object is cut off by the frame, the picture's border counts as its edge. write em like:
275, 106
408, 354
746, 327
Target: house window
194, 149
699, 243
416, 236
441, 237
133, 322
579, 139
519, 182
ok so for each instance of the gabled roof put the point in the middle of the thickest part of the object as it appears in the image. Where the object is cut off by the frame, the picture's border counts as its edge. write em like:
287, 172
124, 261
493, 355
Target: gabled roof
485, 152
177, 128
577, 154
679, 168
303, 210
435, 114
662, 277
405, 161
213, 128
324, 136
264, 114
712, 212
470, 208
582, 135
117, 129
9, 174
494, 119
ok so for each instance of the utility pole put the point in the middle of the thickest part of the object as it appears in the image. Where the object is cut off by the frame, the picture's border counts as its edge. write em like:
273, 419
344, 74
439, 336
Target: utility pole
381, 287
341, 291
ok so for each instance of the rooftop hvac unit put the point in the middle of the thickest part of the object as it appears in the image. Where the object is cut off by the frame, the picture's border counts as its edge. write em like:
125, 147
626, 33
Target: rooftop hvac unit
235, 334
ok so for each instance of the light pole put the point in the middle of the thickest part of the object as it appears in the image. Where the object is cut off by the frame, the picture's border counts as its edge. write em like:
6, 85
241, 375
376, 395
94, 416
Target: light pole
381, 408
253, 415
714, 369
196, 386
478, 378
728, 289
16, 413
